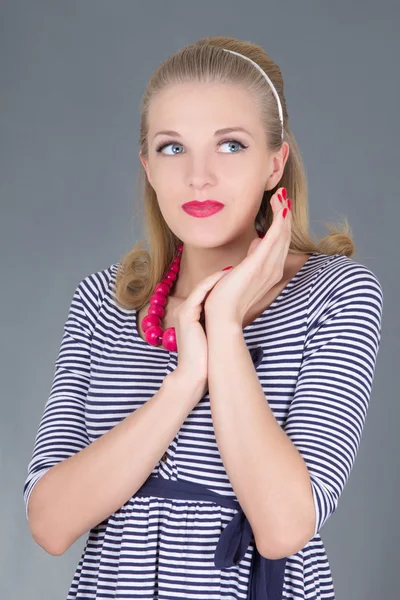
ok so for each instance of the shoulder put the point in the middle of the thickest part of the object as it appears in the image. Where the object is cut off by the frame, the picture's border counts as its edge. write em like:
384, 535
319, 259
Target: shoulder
337, 274
99, 283
92, 291
340, 284
95, 286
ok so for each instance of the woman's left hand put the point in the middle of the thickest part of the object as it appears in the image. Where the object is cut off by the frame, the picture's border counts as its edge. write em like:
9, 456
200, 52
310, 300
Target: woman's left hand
246, 284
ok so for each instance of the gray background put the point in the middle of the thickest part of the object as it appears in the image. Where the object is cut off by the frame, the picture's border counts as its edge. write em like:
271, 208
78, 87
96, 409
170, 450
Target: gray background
72, 76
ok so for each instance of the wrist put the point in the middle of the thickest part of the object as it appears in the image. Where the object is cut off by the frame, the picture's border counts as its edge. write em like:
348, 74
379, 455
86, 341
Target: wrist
186, 385
217, 324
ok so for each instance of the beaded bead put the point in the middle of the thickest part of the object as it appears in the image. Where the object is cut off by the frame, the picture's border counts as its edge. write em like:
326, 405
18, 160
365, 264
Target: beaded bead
157, 310
167, 282
154, 335
162, 288
159, 299
150, 321
169, 339
172, 275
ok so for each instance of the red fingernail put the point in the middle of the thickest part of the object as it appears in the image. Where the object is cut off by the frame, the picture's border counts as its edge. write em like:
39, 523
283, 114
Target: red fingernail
280, 199
289, 203
284, 192
284, 213
226, 268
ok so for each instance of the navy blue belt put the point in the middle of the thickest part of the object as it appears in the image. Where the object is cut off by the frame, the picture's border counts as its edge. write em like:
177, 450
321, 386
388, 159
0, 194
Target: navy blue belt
266, 575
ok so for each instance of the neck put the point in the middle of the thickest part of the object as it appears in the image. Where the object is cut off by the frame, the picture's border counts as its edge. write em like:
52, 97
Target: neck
199, 262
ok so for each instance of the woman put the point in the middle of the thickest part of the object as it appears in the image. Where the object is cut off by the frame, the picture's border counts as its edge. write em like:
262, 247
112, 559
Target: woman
209, 395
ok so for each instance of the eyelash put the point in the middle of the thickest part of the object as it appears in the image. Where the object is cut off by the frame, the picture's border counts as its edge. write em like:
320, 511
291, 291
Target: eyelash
243, 147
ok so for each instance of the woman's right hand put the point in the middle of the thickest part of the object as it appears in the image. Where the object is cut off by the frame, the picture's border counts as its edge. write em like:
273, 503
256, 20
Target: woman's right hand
191, 338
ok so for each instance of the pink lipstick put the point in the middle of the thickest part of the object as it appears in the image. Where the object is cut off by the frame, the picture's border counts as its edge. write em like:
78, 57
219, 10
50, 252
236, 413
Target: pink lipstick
202, 209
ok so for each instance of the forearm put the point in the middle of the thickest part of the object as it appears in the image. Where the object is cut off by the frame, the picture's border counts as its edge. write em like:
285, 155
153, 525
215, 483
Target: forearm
267, 473
86, 488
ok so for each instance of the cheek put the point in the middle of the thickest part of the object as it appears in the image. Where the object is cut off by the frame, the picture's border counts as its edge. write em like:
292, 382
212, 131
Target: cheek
169, 213
167, 181
249, 192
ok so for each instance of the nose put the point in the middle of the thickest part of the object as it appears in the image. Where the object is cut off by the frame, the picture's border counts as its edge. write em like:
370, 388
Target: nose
200, 173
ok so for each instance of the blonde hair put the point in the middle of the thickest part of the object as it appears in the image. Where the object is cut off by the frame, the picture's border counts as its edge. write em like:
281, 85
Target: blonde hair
205, 61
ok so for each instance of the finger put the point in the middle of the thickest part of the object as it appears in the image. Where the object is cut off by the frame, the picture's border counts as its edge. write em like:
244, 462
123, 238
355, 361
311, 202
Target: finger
272, 233
191, 307
279, 204
285, 203
279, 233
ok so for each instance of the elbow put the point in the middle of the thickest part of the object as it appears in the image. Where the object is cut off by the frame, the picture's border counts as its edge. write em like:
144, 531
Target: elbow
294, 538
279, 550
52, 549
285, 546
50, 544
45, 536
272, 551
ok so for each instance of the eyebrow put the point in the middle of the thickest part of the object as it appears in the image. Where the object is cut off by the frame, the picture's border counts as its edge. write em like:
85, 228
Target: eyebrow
218, 132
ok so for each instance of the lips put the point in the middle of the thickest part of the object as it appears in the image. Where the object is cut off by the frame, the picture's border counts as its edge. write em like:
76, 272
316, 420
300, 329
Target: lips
202, 209
204, 204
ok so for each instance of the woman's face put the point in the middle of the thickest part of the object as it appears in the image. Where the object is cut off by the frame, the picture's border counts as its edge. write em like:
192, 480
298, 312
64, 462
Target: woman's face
196, 163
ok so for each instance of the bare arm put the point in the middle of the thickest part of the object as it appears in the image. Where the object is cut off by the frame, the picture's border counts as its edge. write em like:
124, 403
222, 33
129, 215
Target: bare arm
86, 488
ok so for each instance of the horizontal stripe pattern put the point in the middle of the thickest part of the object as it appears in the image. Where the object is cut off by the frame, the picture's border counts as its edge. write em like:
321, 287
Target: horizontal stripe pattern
320, 340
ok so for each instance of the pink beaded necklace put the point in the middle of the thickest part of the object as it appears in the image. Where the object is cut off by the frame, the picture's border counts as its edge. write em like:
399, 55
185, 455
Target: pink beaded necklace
151, 323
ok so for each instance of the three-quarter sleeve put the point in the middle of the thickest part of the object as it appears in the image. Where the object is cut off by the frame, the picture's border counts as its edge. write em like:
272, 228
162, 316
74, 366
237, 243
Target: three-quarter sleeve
62, 430
328, 411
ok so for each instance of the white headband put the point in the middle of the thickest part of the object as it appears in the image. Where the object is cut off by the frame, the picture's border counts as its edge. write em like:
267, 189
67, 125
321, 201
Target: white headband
269, 81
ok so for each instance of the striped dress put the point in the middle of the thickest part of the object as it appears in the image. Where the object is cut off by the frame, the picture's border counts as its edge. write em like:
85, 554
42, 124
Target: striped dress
319, 339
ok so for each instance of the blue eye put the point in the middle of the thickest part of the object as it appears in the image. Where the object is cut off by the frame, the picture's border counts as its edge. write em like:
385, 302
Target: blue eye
161, 148
242, 146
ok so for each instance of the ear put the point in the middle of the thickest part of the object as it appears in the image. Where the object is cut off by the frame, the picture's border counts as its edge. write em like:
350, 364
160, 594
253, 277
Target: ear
278, 162
145, 165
